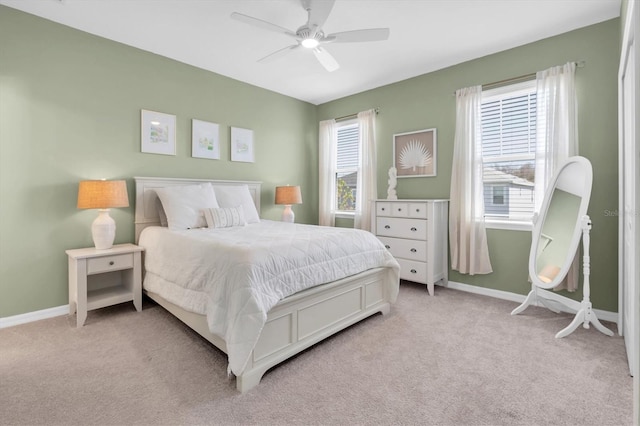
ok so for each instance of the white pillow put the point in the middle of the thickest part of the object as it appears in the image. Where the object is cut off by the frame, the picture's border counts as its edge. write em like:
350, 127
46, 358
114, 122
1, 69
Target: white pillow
184, 204
224, 217
238, 195
161, 214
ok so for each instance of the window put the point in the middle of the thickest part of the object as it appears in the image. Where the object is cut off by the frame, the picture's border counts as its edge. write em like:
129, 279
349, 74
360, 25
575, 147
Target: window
508, 120
348, 157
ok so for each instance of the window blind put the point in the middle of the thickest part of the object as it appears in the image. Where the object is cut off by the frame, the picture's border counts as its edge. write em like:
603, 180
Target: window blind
508, 121
348, 157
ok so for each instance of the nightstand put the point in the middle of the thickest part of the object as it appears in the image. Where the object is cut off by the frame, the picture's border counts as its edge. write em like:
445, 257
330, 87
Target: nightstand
99, 278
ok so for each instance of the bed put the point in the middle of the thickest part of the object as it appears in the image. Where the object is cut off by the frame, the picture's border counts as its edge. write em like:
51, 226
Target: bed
266, 325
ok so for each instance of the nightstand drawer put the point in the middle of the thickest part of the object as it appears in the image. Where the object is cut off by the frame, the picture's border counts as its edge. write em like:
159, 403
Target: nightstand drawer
109, 263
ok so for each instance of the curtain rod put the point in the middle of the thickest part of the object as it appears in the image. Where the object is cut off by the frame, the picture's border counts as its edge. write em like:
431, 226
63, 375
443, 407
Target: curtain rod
525, 77
354, 115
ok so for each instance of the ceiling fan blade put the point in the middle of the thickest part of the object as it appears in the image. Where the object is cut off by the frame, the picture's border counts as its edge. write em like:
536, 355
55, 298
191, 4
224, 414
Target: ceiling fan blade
278, 53
319, 11
356, 36
326, 59
262, 24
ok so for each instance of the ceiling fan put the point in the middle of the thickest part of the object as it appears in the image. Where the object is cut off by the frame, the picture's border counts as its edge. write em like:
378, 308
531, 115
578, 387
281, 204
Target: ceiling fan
310, 35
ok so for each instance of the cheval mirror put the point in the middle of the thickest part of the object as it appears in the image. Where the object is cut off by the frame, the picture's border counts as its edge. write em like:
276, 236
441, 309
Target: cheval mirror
555, 241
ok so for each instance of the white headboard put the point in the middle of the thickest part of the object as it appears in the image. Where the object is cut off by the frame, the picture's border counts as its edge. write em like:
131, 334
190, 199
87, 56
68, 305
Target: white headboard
147, 199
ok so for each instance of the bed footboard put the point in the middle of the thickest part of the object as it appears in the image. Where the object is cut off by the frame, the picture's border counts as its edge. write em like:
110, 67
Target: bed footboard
313, 315
303, 319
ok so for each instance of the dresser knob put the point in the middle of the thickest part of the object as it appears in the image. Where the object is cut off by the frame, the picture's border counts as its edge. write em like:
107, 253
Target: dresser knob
413, 250
413, 271
399, 210
417, 210
387, 227
382, 209
111, 263
387, 246
414, 229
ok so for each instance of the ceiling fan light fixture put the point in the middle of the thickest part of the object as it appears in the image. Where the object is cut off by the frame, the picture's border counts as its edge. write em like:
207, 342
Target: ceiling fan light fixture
310, 43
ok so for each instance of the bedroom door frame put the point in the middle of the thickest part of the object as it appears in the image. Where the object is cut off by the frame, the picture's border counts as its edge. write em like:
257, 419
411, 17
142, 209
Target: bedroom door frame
629, 197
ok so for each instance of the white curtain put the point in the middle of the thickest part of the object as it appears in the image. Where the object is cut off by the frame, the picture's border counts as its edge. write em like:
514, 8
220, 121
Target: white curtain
467, 234
557, 128
557, 123
367, 186
328, 152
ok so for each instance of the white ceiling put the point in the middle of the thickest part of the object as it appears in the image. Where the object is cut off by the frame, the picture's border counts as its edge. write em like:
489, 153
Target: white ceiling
426, 35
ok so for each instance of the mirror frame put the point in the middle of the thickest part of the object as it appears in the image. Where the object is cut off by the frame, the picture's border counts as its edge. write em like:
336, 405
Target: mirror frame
585, 188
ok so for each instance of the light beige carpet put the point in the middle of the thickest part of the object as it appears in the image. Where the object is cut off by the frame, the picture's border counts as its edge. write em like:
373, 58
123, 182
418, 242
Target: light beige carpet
452, 359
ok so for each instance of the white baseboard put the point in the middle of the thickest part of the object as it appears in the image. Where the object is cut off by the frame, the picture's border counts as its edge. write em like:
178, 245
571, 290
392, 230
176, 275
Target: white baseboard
498, 294
34, 316
519, 298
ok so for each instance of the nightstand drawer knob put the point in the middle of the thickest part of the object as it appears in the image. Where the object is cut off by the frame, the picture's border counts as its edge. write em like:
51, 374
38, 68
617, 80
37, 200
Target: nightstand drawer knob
414, 229
383, 209
112, 263
387, 246
413, 271
413, 250
399, 209
387, 227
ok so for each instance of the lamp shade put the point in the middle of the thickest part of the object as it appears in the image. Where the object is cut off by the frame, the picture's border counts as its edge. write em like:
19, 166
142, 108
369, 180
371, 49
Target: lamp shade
288, 195
102, 194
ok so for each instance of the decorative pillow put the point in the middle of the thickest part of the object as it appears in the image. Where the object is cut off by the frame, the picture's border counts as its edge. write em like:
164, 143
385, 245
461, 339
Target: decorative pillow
161, 214
183, 204
237, 195
224, 217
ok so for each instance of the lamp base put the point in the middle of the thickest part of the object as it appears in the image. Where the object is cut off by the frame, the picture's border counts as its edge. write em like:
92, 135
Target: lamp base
103, 230
287, 214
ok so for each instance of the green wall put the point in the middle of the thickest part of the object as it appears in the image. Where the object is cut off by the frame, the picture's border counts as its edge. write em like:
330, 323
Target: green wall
70, 110
427, 101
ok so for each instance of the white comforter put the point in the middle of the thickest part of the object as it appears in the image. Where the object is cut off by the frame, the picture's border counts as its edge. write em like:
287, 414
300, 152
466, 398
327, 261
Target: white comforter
234, 276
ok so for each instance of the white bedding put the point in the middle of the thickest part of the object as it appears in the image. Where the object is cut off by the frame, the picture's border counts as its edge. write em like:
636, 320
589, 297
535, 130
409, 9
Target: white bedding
235, 275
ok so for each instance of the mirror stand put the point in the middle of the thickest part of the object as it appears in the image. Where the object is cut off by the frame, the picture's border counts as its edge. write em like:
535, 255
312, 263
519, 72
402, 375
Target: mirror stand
584, 311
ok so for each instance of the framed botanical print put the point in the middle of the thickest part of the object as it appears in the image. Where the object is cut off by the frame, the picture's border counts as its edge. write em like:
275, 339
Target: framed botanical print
242, 145
158, 133
205, 140
414, 153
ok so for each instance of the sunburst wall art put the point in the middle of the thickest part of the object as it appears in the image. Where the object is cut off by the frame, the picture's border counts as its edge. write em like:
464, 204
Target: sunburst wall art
414, 153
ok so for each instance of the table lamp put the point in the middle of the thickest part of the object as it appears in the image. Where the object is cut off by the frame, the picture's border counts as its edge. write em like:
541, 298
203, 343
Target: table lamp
103, 195
288, 195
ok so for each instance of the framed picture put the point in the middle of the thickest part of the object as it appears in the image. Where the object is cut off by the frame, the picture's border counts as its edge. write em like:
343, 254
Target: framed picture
205, 140
414, 153
242, 145
158, 133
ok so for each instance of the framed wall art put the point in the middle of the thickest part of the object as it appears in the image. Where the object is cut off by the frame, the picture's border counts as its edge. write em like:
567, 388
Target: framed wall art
158, 133
205, 140
414, 153
242, 145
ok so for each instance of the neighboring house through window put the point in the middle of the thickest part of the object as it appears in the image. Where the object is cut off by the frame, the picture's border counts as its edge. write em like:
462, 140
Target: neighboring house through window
508, 120
346, 178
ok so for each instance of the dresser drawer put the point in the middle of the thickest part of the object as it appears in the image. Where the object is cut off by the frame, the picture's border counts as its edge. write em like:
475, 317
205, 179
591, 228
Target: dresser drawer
392, 208
415, 229
399, 209
383, 209
109, 263
411, 270
417, 210
407, 249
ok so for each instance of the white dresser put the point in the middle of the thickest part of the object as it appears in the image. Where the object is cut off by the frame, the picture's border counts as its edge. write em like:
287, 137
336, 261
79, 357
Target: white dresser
416, 234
